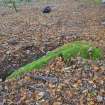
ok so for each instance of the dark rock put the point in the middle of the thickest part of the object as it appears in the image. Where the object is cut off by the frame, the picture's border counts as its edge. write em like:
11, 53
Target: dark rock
6, 74
47, 9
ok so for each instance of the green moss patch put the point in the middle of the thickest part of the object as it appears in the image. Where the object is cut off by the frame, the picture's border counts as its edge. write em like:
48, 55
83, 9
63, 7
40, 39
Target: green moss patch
96, 2
67, 51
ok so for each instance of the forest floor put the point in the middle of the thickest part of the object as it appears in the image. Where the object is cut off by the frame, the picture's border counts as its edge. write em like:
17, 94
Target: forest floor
29, 34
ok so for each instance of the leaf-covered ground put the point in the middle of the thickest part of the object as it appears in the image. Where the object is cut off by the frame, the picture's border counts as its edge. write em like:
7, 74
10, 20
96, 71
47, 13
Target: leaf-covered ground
29, 34
76, 82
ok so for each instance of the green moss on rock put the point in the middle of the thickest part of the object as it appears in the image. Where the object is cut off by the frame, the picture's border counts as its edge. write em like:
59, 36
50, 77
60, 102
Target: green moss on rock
78, 48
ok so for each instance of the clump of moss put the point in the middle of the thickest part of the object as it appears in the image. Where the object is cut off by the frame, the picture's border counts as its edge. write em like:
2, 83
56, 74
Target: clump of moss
97, 1
78, 48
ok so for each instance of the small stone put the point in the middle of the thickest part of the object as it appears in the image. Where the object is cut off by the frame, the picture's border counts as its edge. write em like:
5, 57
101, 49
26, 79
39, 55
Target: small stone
103, 23
12, 41
90, 49
75, 85
27, 51
94, 86
99, 98
40, 95
6, 88
8, 52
